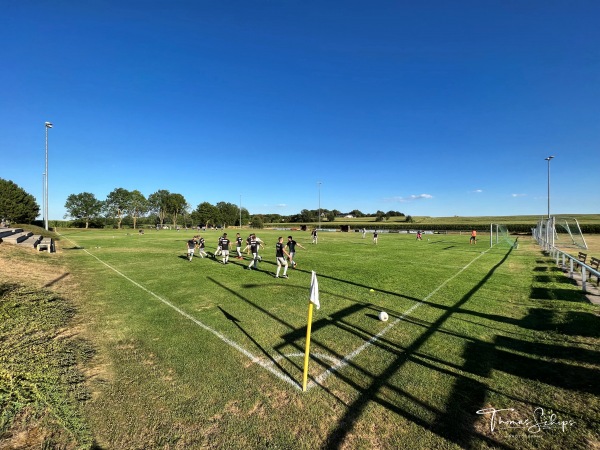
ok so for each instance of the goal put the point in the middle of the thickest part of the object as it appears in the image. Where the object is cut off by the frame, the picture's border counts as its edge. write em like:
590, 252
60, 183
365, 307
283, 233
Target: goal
499, 235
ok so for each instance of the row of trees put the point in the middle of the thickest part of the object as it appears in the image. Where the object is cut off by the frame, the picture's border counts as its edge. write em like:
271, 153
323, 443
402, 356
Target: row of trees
18, 206
163, 205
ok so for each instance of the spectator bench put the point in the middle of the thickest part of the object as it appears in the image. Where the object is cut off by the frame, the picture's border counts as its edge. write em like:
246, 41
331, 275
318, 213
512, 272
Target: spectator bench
595, 264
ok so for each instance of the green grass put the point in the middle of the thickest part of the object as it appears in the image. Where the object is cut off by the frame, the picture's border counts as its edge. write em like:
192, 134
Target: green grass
473, 328
40, 383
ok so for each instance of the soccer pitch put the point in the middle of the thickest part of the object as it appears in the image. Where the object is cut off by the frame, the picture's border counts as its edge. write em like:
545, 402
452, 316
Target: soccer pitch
201, 354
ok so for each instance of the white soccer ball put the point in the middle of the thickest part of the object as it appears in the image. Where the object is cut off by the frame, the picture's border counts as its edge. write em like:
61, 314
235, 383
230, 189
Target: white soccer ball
383, 316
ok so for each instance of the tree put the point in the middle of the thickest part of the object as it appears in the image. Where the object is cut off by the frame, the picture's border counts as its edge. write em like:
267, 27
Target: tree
257, 221
158, 203
137, 206
229, 213
116, 203
308, 216
245, 217
394, 214
176, 205
356, 213
330, 216
17, 205
83, 206
204, 214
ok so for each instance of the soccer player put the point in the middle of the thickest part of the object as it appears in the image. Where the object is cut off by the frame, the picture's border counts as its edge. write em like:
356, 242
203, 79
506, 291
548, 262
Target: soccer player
314, 236
291, 244
201, 247
238, 245
473, 239
247, 248
419, 236
255, 244
375, 237
190, 245
225, 248
279, 255
218, 250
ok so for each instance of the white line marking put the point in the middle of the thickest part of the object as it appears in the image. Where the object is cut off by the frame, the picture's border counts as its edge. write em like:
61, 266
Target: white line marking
344, 362
266, 365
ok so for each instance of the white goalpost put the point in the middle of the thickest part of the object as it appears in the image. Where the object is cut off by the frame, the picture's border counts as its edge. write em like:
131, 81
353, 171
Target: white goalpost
499, 235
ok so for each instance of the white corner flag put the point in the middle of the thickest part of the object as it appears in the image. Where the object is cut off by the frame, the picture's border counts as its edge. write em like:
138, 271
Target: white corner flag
314, 290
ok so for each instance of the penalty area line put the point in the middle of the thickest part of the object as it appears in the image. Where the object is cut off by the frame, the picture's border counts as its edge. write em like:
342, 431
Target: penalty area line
346, 360
235, 345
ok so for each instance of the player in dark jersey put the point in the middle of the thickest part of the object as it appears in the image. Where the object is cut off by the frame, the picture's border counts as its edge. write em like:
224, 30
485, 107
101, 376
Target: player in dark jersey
255, 244
201, 247
247, 248
190, 245
218, 250
225, 248
280, 256
291, 244
238, 246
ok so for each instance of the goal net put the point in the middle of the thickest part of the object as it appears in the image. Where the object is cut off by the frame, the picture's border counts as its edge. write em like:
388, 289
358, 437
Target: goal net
567, 233
563, 232
499, 235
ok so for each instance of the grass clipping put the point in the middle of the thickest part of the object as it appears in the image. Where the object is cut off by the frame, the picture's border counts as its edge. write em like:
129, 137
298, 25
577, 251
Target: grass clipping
40, 385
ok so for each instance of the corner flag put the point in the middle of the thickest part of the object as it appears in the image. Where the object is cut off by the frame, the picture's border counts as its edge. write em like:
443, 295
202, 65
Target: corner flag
314, 300
314, 290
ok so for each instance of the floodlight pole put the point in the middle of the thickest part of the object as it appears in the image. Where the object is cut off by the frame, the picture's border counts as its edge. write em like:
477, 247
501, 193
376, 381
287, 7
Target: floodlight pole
240, 211
48, 125
550, 225
549, 158
319, 183
43, 196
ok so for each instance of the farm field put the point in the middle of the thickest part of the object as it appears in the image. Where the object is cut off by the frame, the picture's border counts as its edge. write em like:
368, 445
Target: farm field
484, 348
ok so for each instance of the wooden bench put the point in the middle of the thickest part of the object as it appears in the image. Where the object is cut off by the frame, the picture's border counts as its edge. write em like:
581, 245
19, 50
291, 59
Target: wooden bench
582, 257
595, 264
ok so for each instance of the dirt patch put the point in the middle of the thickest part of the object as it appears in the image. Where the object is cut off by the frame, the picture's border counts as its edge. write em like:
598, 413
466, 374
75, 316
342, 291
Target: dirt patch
23, 266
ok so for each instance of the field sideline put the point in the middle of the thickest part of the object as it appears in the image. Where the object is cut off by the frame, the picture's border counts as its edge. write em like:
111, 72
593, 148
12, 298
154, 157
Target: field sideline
202, 355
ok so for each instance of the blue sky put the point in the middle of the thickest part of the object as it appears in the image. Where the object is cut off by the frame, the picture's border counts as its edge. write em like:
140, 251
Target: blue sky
432, 108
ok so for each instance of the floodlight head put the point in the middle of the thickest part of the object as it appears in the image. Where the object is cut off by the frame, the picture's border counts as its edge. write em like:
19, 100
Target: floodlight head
549, 158
48, 125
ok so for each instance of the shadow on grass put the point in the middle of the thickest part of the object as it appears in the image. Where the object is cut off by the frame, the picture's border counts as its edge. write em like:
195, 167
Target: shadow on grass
236, 322
514, 356
570, 323
467, 396
550, 293
56, 280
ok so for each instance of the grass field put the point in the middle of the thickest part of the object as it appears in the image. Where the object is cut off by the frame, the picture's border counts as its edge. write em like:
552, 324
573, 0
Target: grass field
204, 355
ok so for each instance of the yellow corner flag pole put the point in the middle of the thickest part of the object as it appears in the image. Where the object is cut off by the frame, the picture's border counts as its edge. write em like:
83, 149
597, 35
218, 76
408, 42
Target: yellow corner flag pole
307, 350
314, 300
